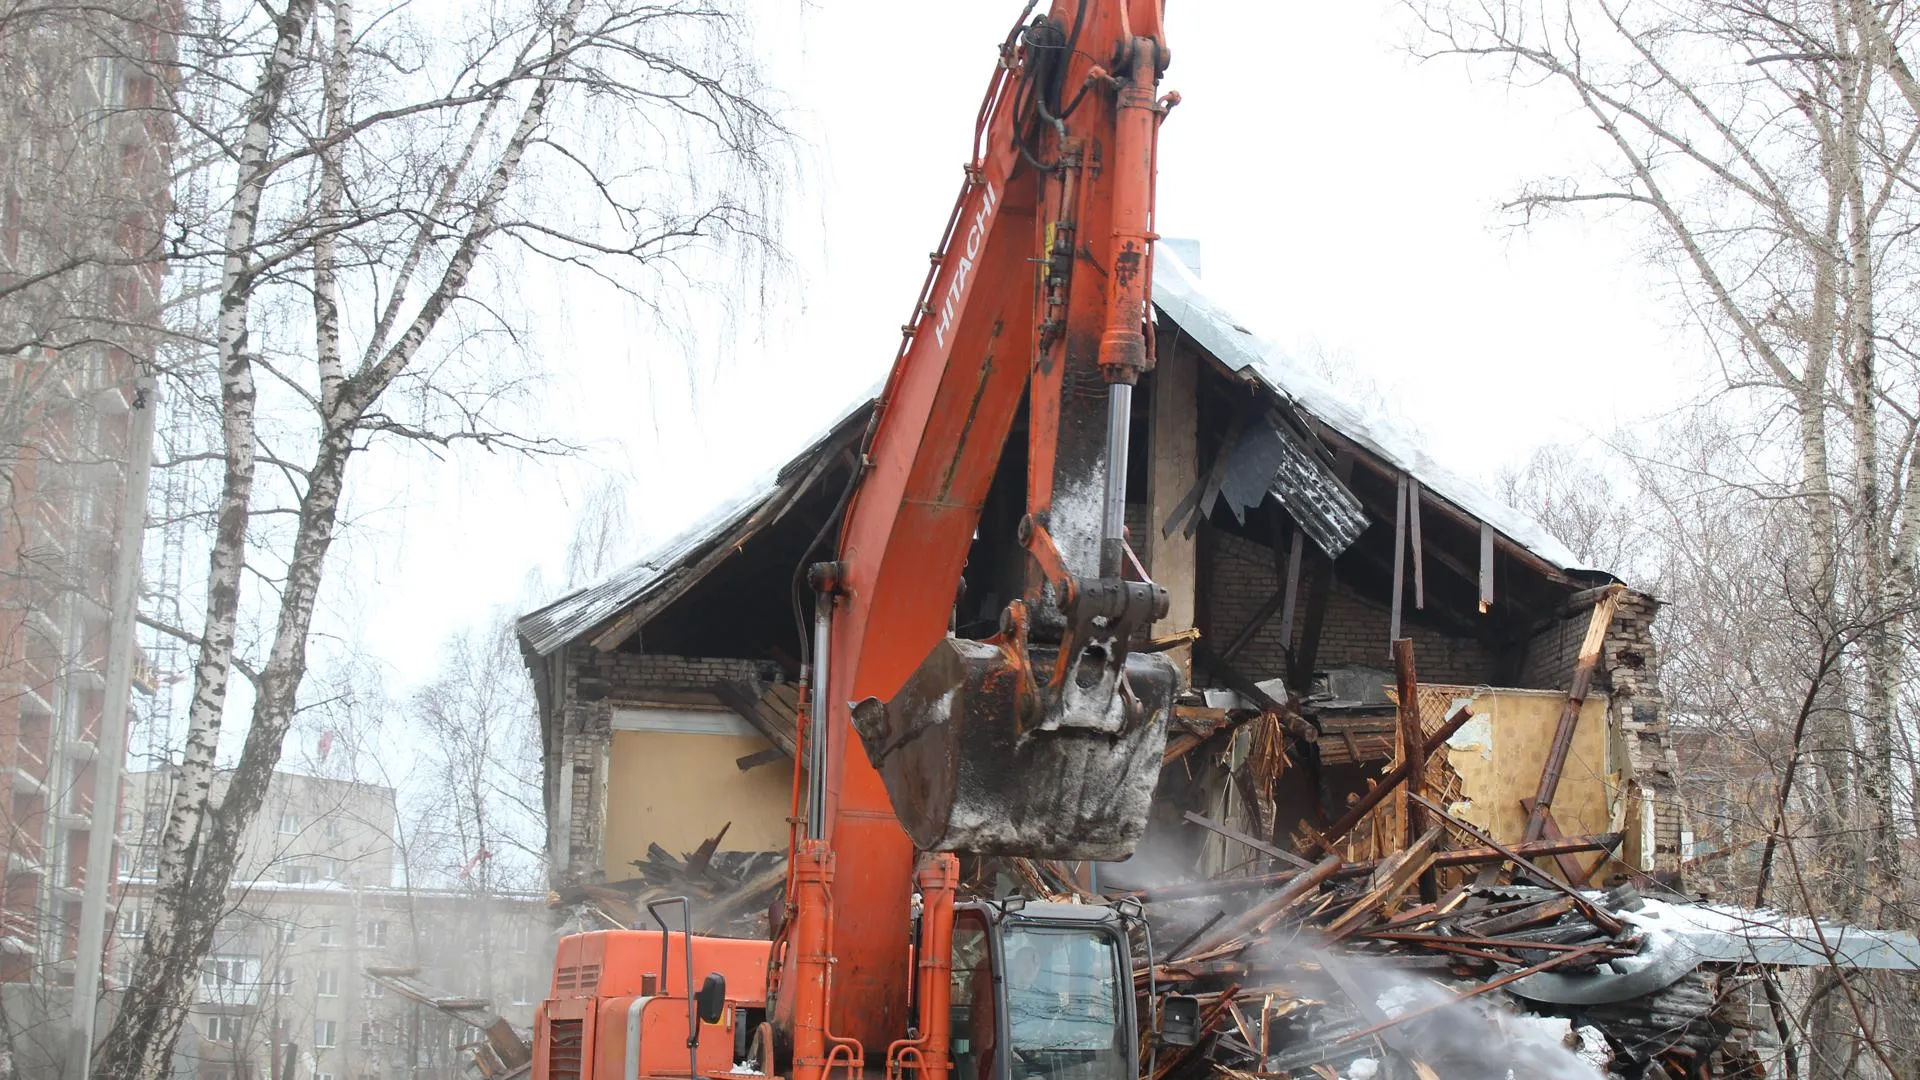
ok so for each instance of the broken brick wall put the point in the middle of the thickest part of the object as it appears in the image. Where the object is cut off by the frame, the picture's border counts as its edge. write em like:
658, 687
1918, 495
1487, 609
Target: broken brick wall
1637, 710
1242, 577
593, 683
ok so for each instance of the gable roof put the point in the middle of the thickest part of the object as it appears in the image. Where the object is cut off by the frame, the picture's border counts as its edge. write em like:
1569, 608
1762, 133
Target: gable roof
1178, 295
666, 571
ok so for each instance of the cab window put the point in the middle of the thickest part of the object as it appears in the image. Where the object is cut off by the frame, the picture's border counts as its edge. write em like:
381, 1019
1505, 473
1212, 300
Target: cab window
972, 1025
1063, 1005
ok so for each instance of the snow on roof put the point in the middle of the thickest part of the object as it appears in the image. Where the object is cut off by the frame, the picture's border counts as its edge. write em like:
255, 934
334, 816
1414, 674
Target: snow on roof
1178, 294
548, 628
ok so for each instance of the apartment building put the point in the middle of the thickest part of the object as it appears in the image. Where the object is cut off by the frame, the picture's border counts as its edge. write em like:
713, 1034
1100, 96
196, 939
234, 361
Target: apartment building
320, 897
85, 187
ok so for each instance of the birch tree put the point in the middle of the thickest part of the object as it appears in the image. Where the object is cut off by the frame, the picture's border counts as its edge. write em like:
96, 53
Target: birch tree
1767, 152
381, 175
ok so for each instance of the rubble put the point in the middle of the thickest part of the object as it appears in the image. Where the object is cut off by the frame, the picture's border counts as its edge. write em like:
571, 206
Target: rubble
732, 891
1402, 940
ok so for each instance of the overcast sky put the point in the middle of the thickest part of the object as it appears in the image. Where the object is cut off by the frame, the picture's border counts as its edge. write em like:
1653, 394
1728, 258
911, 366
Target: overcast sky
1345, 197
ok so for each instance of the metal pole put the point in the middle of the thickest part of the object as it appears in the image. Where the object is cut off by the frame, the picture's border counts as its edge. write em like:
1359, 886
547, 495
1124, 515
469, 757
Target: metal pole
1113, 521
817, 722
111, 746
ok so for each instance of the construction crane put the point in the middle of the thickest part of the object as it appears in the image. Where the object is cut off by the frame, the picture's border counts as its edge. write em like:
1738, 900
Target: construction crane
1043, 739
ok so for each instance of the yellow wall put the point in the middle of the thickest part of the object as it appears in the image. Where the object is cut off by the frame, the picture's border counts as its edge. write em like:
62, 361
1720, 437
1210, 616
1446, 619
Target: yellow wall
676, 790
1499, 753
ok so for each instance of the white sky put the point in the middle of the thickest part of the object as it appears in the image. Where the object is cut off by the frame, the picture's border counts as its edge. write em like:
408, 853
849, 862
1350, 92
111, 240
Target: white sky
1345, 197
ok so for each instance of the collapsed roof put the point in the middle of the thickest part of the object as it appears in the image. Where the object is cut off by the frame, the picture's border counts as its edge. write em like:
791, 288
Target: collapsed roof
1278, 462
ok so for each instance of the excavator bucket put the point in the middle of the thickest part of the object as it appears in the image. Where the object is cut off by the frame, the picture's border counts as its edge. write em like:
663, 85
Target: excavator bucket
974, 760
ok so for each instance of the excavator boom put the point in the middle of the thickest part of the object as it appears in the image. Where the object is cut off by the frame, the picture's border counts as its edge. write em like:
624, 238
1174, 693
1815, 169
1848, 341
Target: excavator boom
1042, 739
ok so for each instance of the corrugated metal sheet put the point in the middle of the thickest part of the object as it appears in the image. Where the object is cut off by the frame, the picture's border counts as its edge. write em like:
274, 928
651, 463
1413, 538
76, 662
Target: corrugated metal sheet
1178, 295
1268, 458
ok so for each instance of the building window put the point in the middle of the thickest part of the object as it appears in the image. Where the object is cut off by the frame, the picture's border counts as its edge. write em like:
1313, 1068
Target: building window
223, 1029
376, 936
373, 989
329, 983
289, 823
283, 986
522, 993
224, 971
323, 1076
520, 932
133, 921
300, 874
285, 932
326, 1034
369, 1033
326, 931
333, 828
329, 870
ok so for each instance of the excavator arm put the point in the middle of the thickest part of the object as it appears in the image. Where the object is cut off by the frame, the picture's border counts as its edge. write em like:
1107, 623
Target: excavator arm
1045, 739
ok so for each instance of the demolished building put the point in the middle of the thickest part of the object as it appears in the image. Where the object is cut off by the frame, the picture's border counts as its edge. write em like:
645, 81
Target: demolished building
1493, 800
1296, 533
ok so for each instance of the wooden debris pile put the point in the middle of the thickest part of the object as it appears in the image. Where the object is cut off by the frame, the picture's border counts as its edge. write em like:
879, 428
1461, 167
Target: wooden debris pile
1401, 940
1311, 972
731, 891
502, 1052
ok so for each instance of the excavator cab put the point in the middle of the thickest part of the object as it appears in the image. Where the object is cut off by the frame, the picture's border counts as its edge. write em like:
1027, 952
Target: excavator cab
1041, 991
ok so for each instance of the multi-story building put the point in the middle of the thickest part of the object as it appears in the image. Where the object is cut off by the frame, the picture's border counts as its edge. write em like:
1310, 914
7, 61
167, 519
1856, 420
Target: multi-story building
85, 180
321, 896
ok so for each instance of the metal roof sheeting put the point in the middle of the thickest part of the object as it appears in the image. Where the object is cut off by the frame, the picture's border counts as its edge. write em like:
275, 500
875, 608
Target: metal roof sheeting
1177, 293
544, 631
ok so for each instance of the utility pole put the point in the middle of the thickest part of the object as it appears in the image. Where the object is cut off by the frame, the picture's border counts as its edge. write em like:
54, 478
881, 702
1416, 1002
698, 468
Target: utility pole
123, 602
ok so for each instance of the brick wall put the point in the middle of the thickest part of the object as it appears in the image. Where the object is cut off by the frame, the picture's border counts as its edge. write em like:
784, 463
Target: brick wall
593, 683
1552, 652
1630, 664
1243, 578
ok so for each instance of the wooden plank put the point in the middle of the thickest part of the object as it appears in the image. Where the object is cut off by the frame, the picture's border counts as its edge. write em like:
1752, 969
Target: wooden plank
1387, 782
1419, 559
1594, 915
1583, 669
762, 757
1260, 846
1389, 881
1399, 560
1297, 549
1569, 866
1248, 632
1413, 746
741, 699
1486, 567
1173, 420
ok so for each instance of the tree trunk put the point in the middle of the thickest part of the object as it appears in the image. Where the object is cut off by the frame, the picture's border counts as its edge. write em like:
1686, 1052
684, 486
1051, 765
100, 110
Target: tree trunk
140, 1043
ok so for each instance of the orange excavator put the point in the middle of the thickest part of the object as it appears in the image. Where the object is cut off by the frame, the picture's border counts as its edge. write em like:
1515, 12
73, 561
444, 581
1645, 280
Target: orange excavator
1042, 738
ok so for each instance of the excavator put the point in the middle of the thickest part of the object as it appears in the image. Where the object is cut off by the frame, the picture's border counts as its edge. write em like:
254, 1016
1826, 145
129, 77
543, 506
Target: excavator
1042, 738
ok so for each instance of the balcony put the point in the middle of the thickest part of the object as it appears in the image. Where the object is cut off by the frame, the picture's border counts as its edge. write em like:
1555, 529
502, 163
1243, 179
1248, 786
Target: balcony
17, 933
42, 624
24, 780
25, 853
31, 701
